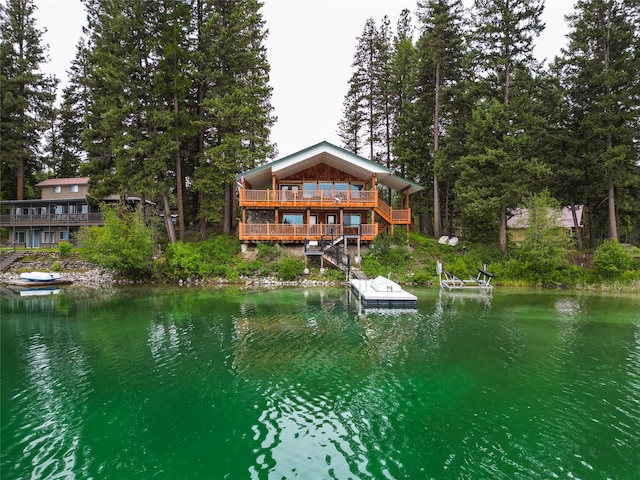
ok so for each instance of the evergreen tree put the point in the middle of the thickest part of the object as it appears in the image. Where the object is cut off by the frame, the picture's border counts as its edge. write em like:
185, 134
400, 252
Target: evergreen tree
403, 93
441, 50
353, 119
503, 36
70, 123
26, 97
600, 71
236, 108
367, 91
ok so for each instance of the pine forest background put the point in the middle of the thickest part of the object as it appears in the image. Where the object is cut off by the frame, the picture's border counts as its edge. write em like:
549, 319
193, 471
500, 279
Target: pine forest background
171, 100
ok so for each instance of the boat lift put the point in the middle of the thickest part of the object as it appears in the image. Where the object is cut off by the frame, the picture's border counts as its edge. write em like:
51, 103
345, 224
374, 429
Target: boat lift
450, 281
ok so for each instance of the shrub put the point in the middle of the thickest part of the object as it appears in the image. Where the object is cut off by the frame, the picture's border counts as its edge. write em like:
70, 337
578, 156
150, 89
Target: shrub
371, 266
611, 259
289, 268
220, 249
125, 243
182, 260
268, 251
545, 247
65, 248
56, 267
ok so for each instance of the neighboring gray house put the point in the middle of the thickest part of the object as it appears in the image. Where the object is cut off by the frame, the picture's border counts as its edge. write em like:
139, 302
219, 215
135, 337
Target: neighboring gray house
55, 217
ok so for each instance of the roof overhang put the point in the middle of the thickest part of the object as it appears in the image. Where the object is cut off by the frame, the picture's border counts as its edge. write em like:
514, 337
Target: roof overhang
336, 157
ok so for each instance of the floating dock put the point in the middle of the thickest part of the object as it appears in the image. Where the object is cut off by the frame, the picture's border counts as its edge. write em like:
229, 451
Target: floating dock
382, 292
29, 284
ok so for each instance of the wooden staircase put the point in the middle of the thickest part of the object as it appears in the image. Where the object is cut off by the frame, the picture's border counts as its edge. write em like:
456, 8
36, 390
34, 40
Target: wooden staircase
8, 260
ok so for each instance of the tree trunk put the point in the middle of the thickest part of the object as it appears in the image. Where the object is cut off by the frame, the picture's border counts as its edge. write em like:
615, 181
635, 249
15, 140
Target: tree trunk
437, 230
20, 180
203, 221
613, 224
226, 212
167, 219
503, 229
179, 193
576, 226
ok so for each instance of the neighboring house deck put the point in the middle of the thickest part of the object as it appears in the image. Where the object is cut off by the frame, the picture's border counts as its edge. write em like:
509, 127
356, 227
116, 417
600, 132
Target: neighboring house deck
318, 193
55, 217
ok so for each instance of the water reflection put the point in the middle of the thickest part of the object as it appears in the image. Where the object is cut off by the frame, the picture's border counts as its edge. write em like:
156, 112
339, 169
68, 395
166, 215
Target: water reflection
328, 399
51, 431
301, 383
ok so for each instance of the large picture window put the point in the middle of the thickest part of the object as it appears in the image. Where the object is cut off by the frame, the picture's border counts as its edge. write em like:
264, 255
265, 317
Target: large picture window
293, 219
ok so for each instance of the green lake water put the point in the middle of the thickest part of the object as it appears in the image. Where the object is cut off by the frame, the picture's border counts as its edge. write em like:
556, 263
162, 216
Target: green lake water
227, 383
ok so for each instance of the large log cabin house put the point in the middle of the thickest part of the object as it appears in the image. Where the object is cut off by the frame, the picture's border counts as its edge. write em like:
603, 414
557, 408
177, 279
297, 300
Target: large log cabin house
318, 193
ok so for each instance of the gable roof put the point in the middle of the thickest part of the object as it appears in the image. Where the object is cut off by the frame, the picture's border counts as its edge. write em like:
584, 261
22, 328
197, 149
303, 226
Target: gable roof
51, 182
329, 154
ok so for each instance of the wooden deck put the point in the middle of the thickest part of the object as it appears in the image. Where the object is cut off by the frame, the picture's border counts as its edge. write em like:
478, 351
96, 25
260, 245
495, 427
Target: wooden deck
298, 233
321, 199
303, 198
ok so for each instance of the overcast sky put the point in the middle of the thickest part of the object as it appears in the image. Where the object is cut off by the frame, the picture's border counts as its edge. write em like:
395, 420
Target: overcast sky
310, 49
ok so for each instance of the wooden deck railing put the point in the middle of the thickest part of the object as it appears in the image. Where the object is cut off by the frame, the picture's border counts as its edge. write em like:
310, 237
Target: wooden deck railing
52, 219
298, 233
396, 216
323, 199
307, 198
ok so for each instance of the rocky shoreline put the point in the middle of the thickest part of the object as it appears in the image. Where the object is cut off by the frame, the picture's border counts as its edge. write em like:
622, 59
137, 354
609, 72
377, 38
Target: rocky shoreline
86, 274
80, 273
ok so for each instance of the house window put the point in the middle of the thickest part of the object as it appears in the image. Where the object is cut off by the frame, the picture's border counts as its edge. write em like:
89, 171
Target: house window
289, 192
331, 219
293, 219
57, 189
351, 220
326, 188
309, 189
73, 188
64, 235
48, 237
18, 237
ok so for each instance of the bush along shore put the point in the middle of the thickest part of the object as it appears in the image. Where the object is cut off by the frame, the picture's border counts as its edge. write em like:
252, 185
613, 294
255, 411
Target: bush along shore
82, 272
409, 260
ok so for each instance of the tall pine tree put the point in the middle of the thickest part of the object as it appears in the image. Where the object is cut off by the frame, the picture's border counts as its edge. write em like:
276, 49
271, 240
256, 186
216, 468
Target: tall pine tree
441, 50
26, 99
504, 38
600, 71
235, 109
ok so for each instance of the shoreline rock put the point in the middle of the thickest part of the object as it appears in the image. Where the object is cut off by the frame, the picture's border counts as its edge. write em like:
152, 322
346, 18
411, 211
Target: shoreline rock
71, 268
86, 274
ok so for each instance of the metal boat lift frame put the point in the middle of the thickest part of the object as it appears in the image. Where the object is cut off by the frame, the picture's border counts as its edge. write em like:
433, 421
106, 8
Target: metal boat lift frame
450, 281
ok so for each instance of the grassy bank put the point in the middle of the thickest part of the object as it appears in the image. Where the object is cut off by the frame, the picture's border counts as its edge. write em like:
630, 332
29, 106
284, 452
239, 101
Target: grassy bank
412, 260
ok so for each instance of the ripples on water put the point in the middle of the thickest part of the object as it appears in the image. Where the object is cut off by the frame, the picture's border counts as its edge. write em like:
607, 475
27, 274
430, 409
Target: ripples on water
304, 384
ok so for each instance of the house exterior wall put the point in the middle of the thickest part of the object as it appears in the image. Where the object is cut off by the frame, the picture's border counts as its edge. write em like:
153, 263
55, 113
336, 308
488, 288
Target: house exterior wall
64, 192
320, 200
57, 216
